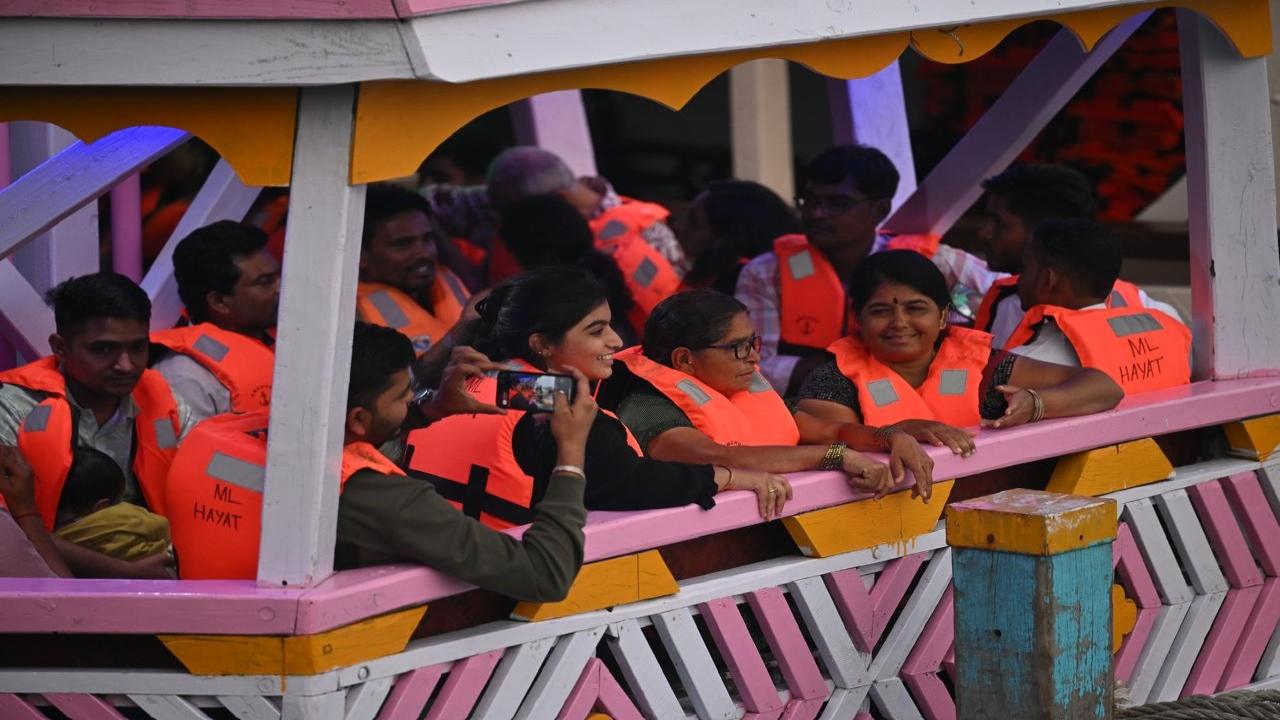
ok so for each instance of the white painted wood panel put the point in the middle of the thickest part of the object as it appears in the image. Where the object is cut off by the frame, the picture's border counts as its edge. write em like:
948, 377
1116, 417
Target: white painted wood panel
910, 622
168, 707
645, 681
1163, 634
1154, 543
891, 696
873, 111
1186, 647
693, 662
846, 665
329, 706
844, 703
364, 701
1235, 271
512, 679
560, 674
25, 319
313, 348
1184, 477
557, 121
250, 707
1192, 544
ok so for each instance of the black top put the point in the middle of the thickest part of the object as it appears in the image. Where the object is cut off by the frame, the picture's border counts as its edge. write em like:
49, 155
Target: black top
617, 478
826, 382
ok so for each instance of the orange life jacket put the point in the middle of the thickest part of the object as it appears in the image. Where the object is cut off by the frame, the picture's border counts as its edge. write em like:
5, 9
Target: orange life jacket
756, 416
619, 231
471, 461
243, 365
949, 393
1123, 294
384, 305
48, 434
924, 243
1140, 348
214, 494
813, 306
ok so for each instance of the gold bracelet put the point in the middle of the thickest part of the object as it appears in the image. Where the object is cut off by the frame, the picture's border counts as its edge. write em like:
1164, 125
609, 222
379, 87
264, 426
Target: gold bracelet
834, 459
1037, 407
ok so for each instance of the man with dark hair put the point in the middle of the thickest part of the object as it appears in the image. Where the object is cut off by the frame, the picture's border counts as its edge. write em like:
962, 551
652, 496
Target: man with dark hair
1068, 270
383, 515
402, 283
797, 294
230, 284
94, 390
1019, 199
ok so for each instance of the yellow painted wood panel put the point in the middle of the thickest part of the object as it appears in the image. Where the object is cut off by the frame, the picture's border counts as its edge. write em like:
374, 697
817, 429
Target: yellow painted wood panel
295, 655
1108, 469
1031, 522
1124, 615
603, 584
895, 518
1256, 438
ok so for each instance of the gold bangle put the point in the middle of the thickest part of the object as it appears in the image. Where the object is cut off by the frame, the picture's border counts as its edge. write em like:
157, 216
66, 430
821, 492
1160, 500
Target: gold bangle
834, 459
1037, 407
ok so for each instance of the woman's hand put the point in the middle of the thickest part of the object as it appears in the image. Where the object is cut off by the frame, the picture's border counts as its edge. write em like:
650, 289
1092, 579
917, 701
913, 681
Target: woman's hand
571, 422
1020, 407
772, 491
868, 475
17, 484
939, 434
465, 365
906, 454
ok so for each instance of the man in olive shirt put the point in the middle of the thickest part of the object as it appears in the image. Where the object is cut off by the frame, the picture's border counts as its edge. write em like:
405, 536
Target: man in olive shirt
386, 517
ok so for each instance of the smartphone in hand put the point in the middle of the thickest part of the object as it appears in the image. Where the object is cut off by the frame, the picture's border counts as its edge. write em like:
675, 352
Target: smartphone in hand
532, 391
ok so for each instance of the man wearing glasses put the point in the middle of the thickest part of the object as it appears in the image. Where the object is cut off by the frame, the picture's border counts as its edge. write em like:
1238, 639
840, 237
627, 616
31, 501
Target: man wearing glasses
797, 295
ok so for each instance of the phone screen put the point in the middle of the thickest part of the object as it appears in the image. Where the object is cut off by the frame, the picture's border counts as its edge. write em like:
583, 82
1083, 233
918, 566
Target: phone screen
532, 391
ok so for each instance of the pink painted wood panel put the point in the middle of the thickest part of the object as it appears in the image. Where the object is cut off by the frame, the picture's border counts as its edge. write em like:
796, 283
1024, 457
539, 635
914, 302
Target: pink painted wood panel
411, 8
935, 640
598, 689
931, 695
1222, 640
1132, 568
795, 659
104, 606
15, 708
750, 676
145, 606
411, 692
78, 706
1258, 630
799, 709
771, 715
1126, 659
866, 614
222, 9
1258, 519
1225, 535
462, 690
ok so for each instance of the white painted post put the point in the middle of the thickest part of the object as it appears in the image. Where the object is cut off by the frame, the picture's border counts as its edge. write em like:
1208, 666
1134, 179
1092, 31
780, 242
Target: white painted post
872, 111
222, 197
1013, 121
1235, 271
313, 348
557, 121
126, 227
760, 125
71, 247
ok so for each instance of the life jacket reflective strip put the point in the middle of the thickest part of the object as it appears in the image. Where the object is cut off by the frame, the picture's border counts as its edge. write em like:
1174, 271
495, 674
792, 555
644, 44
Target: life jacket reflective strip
471, 461
949, 393
48, 434
1123, 294
243, 365
1140, 348
813, 306
619, 232
215, 490
756, 416
384, 305
924, 243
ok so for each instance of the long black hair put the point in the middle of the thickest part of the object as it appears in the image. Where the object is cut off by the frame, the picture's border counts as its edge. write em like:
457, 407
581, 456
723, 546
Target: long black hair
548, 300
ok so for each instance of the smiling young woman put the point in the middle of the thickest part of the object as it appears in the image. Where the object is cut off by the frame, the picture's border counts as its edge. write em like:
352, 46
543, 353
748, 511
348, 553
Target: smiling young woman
903, 373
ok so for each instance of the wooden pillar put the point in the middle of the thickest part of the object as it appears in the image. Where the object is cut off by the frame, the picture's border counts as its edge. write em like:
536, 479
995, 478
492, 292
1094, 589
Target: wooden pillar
872, 111
557, 121
1033, 573
69, 248
313, 349
8, 355
1235, 271
760, 125
126, 227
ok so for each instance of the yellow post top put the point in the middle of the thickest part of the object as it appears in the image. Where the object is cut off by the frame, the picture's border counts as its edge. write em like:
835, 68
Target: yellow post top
1031, 522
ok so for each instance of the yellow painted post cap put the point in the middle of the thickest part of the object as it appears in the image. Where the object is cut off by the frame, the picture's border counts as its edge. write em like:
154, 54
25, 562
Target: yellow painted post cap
1031, 522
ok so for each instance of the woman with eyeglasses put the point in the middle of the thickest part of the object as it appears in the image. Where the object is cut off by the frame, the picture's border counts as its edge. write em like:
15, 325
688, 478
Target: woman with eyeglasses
495, 467
908, 378
694, 394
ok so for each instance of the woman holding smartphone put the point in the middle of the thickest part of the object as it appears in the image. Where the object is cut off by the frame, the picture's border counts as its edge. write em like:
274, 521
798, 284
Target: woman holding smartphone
557, 319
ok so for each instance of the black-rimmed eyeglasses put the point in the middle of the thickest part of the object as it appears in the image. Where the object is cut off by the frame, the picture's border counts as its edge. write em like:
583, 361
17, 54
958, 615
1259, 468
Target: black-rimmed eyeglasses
741, 349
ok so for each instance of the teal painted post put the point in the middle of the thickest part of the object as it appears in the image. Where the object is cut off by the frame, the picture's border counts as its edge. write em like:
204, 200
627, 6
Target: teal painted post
1033, 627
